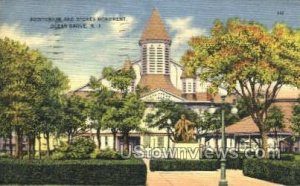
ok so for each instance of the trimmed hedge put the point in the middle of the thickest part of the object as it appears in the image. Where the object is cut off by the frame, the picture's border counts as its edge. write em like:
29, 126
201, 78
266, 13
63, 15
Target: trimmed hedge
283, 172
79, 172
233, 163
183, 165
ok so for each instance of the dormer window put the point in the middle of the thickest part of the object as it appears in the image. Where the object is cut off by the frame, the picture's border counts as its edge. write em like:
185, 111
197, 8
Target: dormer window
189, 85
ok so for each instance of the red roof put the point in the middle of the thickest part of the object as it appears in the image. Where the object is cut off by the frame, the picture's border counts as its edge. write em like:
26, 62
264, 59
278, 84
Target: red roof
247, 125
155, 28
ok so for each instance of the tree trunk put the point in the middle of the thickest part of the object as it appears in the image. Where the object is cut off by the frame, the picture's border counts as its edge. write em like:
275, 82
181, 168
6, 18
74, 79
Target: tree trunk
114, 132
10, 145
5, 144
33, 147
126, 141
48, 143
19, 141
98, 138
29, 147
264, 137
40, 146
69, 137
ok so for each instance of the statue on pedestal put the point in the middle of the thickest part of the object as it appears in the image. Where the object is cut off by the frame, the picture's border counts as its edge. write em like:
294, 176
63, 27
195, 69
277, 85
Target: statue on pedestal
184, 130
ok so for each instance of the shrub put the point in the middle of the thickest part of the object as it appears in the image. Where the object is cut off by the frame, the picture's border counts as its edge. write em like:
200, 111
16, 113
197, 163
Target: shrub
233, 163
4, 155
71, 172
287, 157
183, 165
283, 172
108, 154
79, 148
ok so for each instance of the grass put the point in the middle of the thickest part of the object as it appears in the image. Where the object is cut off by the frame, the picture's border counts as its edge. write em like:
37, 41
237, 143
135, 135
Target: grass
297, 157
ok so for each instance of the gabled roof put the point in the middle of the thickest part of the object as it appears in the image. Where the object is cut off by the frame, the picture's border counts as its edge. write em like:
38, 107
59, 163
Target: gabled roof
155, 28
164, 91
158, 81
247, 125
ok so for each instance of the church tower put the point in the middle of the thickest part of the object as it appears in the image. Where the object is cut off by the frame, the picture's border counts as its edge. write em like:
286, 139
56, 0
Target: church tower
155, 45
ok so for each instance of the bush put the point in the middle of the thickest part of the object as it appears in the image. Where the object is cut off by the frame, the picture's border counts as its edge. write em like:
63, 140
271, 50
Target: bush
282, 172
79, 148
108, 154
71, 172
233, 163
4, 155
183, 165
287, 157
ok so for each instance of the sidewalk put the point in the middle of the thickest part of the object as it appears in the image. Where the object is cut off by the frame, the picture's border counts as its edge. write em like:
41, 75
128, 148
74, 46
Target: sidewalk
200, 178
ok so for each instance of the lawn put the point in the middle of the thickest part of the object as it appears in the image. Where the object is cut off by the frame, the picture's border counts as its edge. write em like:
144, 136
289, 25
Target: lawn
297, 157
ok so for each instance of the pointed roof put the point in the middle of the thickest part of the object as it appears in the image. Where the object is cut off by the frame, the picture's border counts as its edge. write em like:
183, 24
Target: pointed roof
155, 28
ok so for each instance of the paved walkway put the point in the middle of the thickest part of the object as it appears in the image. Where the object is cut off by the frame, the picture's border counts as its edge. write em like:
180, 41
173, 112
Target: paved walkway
200, 178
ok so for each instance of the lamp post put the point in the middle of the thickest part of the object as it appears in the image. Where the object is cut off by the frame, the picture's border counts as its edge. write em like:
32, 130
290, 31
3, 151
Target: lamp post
212, 110
169, 122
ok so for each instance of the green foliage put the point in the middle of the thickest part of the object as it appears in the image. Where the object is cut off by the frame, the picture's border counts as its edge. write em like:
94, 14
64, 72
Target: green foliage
296, 120
120, 79
183, 165
274, 118
79, 148
287, 157
27, 81
108, 154
282, 172
249, 60
4, 155
74, 115
126, 109
73, 172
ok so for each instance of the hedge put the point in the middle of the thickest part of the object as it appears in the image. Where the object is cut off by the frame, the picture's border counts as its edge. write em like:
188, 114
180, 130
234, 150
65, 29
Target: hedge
283, 172
183, 165
79, 172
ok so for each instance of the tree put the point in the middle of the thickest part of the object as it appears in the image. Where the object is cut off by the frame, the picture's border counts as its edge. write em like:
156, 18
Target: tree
75, 113
100, 103
274, 121
22, 88
249, 60
131, 112
296, 120
127, 109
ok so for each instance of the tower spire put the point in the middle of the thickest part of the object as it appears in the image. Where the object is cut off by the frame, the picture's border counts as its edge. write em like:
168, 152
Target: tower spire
155, 28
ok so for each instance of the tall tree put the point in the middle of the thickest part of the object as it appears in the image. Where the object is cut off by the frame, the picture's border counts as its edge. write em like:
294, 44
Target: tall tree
121, 80
22, 80
75, 113
248, 59
101, 101
274, 121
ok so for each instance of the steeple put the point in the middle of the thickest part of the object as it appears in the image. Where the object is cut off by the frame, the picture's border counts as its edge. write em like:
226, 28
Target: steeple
155, 28
155, 43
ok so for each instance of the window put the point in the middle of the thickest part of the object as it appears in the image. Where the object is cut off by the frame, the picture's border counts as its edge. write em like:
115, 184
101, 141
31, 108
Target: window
159, 63
146, 141
184, 86
156, 59
160, 141
189, 85
152, 59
